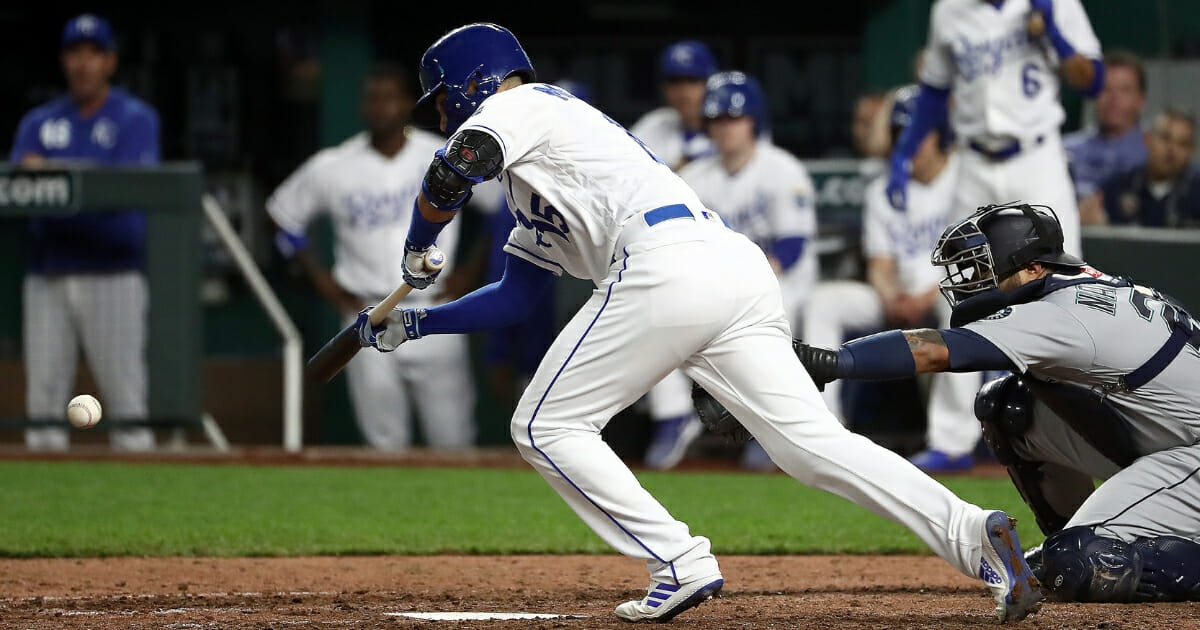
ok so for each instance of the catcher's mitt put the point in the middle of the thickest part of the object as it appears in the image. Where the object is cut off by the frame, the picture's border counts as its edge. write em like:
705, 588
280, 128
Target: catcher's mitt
716, 418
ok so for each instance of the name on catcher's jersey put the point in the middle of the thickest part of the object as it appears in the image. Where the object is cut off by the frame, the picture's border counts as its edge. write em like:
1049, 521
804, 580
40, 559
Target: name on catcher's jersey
1004, 81
573, 177
907, 236
369, 198
1092, 334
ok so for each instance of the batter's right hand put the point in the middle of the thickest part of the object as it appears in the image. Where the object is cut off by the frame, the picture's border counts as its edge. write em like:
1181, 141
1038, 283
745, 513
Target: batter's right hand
415, 273
897, 184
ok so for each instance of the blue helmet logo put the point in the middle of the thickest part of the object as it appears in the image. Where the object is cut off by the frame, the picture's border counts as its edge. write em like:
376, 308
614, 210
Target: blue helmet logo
736, 94
468, 64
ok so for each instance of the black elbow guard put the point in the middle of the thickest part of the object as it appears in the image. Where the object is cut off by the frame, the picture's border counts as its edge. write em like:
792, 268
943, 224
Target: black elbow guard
471, 156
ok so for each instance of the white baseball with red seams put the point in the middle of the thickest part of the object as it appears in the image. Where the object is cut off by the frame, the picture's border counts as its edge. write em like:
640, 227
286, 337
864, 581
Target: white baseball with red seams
83, 411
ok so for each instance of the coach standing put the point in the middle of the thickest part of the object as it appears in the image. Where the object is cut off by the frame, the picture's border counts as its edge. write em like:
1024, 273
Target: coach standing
85, 283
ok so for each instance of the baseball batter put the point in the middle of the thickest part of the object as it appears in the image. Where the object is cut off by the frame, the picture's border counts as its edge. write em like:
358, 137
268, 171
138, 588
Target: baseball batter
902, 286
365, 186
1005, 87
1105, 384
675, 288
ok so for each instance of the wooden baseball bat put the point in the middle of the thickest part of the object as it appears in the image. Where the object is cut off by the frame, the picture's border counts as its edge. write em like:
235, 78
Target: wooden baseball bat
337, 352
1037, 24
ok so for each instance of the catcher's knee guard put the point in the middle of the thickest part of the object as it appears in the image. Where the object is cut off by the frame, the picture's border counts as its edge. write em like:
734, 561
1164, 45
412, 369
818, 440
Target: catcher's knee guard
1004, 407
1080, 566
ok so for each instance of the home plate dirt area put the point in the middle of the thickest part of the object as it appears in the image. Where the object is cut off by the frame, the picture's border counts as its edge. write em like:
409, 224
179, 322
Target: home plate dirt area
370, 591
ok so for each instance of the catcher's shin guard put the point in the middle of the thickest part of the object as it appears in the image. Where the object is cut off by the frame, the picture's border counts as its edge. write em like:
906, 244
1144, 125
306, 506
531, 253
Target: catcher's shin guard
1004, 408
1080, 566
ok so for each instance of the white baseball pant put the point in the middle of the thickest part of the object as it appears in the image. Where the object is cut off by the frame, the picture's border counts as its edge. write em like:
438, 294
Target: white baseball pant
696, 295
105, 314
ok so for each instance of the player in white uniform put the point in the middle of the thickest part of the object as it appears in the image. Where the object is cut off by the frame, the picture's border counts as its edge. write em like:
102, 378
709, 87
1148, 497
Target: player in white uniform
902, 287
366, 185
760, 190
675, 288
675, 133
1006, 114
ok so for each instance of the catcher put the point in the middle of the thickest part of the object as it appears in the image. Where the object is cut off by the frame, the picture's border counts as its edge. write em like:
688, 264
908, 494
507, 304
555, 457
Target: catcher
1104, 383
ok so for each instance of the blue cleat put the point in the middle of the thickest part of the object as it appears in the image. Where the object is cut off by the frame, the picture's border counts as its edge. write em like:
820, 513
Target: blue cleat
671, 441
935, 462
1017, 592
665, 600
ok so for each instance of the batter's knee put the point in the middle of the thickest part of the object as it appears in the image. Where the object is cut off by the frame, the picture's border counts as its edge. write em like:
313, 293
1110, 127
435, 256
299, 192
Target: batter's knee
1079, 566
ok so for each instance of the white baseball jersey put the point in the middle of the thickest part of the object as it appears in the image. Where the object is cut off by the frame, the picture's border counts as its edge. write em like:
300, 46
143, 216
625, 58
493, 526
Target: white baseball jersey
369, 198
569, 218
909, 235
1003, 82
662, 130
770, 198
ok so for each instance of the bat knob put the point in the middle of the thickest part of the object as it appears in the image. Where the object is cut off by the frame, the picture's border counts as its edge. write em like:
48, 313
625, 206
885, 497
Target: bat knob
435, 259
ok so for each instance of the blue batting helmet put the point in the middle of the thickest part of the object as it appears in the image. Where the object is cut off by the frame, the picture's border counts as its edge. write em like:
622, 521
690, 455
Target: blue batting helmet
904, 106
580, 90
687, 59
736, 94
482, 52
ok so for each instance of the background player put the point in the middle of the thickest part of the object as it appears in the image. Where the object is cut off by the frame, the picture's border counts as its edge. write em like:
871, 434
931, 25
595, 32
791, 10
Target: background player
760, 190
675, 288
675, 133
366, 185
902, 286
1004, 86
85, 284
1105, 384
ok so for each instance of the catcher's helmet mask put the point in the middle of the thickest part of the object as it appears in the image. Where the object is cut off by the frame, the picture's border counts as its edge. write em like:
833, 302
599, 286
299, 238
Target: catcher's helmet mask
994, 243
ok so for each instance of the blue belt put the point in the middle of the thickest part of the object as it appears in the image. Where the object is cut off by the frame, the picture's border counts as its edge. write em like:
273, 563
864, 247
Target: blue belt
674, 211
1003, 153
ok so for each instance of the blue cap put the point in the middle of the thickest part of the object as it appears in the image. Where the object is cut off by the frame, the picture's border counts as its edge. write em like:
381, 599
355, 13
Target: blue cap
580, 90
689, 59
89, 28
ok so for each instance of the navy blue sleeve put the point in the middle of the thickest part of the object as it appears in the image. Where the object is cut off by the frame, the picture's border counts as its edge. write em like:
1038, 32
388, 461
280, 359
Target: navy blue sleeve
498, 304
788, 250
932, 108
139, 139
26, 141
879, 357
971, 352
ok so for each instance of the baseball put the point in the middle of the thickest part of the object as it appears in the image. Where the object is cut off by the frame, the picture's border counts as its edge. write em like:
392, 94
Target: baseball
84, 411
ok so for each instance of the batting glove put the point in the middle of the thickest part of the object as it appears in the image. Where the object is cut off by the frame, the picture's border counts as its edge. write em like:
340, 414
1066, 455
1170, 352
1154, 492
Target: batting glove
414, 268
401, 325
898, 183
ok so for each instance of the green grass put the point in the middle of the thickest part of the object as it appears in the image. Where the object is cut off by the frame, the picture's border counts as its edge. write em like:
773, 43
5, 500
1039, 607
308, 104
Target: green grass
79, 509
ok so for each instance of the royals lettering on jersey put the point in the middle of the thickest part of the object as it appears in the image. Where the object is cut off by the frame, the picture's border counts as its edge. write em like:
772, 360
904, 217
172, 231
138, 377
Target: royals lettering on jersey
124, 131
1004, 82
909, 235
568, 219
369, 199
1068, 335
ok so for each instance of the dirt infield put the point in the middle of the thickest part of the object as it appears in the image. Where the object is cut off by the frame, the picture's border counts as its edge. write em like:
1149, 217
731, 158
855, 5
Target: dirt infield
360, 592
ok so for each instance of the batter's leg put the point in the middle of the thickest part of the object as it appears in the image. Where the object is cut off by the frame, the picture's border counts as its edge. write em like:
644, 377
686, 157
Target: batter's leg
375, 383
756, 376
832, 309
51, 353
438, 374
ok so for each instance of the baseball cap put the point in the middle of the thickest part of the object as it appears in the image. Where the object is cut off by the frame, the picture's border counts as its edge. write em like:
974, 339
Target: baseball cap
689, 59
88, 28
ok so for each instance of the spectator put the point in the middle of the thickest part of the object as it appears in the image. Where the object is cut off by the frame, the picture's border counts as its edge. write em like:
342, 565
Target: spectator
365, 185
1165, 191
85, 283
1114, 144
